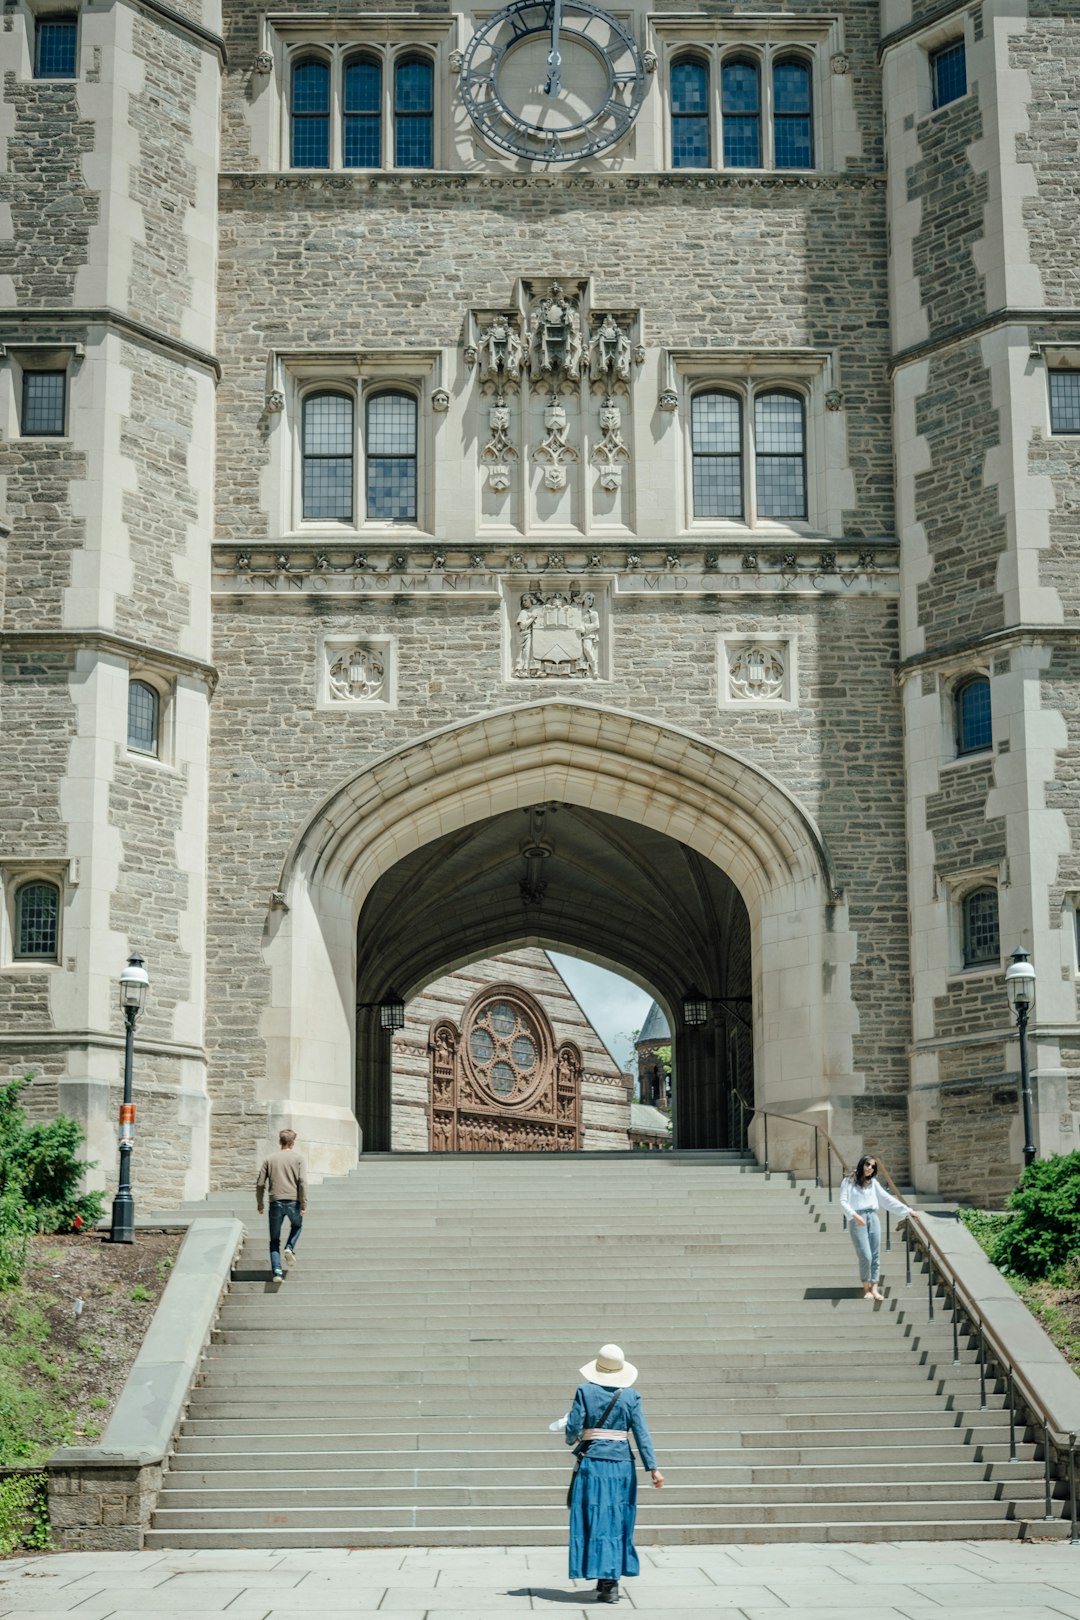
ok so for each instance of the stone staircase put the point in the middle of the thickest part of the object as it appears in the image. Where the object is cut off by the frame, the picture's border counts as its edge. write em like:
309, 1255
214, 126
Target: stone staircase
397, 1388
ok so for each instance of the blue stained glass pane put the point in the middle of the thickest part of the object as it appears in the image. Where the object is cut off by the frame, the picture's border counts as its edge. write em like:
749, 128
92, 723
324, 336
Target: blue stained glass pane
328, 487
311, 143
311, 88
1065, 402
689, 142
363, 87
392, 488
328, 462
413, 87
780, 461
414, 143
794, 143
791, 87
975, 727
689, 88
742, 143
740, 84
362, 146
56, 48
948, 69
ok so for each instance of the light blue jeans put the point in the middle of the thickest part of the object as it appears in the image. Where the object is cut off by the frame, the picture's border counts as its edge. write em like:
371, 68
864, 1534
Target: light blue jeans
867, 1241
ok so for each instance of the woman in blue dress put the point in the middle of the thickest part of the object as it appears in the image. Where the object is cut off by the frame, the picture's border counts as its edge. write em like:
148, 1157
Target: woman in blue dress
603, 1494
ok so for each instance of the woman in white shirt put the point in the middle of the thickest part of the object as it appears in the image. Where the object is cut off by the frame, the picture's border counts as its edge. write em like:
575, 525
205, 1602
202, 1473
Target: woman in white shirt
860, 1199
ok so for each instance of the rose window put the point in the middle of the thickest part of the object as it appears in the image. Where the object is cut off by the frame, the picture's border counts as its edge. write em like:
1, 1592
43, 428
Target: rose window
504, 1048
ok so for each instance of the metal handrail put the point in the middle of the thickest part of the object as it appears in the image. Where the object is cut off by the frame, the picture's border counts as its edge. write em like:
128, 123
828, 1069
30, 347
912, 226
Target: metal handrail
916, 1230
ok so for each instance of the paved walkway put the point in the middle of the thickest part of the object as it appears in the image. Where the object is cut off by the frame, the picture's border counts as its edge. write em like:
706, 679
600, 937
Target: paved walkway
982, 1580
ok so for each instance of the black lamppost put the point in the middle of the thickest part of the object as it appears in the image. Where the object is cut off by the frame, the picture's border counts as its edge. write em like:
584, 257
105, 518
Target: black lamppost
134, 983
1020, 989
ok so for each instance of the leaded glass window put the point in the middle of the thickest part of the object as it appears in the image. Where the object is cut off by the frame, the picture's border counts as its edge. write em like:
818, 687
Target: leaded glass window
362, 113
690, 114
44, 396
741, 92
56, 47
505, 1049
328, 456
390, 456
982, 939
1065, 402
973, 720
144, 712
311, 114
793, 135
414, 106
37, 921
948, 73
780, 455
716, 445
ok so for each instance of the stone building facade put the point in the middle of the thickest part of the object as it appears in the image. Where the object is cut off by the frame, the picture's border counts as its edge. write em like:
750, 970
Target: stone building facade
451, 506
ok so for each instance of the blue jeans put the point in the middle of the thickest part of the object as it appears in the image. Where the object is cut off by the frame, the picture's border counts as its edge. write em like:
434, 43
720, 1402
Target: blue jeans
279, 1208
867, 1241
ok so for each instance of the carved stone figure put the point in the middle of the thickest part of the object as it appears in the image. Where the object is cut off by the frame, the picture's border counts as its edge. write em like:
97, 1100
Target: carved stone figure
558, 636
440, 400
555, 348
609, 353
755, 674
554, 451
669, 400
499, 451
611, 454
501, 351
357, 675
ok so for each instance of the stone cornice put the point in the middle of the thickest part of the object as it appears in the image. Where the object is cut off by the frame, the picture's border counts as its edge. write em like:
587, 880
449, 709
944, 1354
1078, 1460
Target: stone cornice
183, 25
106, 641
978, 328
15, 321
1014, 635
332, 184
27, 1039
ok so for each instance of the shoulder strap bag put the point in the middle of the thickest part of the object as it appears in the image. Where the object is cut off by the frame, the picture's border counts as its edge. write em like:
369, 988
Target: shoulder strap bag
583, 1445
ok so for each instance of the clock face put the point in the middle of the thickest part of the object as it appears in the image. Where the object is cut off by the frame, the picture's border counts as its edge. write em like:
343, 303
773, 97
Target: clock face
552, 80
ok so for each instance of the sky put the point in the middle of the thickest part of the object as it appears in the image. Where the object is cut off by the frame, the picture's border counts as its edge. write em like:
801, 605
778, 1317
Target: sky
614, 1007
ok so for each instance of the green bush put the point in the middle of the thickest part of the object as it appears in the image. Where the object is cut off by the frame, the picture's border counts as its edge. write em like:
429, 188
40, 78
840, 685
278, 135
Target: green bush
1042, 1233
24, 1513
40, 1172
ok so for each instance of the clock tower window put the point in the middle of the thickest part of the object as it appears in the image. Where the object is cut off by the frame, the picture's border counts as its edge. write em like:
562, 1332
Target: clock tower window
690, 145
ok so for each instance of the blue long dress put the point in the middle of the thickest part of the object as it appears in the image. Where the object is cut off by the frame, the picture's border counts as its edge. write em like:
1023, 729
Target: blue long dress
603, 1502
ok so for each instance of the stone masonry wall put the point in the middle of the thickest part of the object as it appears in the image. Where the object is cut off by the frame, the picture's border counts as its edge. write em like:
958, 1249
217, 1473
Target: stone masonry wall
38, 476
52, 208
163, 183
1048, 50
953, 201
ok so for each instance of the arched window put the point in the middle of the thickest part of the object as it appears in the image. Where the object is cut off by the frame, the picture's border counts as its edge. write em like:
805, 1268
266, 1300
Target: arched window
716, 446
690, 114
982, 938
311, 114
144, 713
974, 731
793, 134
328, 456
780, 455
37, 921
741, 91
414, 105
390, 452
361, 141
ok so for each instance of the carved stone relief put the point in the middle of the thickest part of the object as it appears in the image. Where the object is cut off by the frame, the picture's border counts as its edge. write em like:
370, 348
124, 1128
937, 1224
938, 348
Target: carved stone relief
557, 635
555, 450
555, 343
499, 451
357, 673
611, 454
758, 671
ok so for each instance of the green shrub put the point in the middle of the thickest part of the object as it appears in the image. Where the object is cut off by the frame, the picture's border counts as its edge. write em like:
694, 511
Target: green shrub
24, 1513
16, 1226
40, 1172
1042, 1233
985, 1225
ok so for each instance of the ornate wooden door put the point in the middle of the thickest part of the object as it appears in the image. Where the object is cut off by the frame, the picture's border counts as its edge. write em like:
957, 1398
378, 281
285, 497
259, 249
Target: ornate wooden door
499, 1084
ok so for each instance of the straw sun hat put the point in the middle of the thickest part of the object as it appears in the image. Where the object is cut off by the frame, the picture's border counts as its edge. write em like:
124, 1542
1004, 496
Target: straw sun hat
611, 1368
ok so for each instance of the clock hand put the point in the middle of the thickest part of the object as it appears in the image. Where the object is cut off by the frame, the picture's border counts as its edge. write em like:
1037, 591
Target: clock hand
554, 84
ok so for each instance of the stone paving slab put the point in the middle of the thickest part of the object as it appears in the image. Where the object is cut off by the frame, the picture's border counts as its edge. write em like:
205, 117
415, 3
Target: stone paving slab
890, 1580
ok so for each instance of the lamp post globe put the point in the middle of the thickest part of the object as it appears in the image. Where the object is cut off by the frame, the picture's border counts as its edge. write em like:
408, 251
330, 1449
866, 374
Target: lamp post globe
134, 985
1020, 989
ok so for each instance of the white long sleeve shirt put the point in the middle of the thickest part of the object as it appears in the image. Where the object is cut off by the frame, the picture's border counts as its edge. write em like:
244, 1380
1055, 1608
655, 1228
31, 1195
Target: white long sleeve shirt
856, 1200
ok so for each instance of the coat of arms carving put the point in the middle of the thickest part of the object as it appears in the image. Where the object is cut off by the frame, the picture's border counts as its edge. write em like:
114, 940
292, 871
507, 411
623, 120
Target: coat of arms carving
558, 634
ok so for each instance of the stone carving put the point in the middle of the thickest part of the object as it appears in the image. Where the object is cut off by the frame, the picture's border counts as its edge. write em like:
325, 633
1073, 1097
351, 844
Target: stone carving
440, 400
639, 354
840, 63
499, 451
609, 353
755, 674
558, 634
243, 562
611, 454
454, 61
669, 400
834, 399
501, 352
275, 401
263, 62
555, 346
357, 675
555, 451
471, 353
651, 60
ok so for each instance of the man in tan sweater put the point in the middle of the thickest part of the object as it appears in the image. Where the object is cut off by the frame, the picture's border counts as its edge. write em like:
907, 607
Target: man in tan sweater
282, 1176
